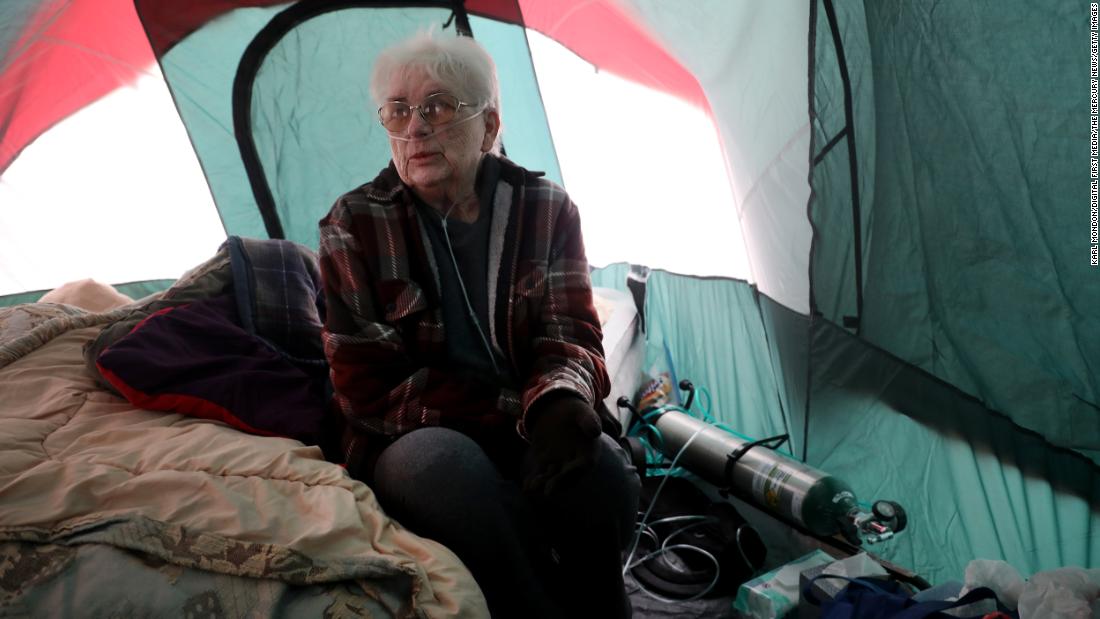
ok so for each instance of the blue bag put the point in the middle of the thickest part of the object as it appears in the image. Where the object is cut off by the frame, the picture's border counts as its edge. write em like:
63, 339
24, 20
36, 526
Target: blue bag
884, 599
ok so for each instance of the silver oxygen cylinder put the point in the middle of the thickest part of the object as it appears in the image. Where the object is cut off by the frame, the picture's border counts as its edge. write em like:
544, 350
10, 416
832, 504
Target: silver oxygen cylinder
780, 485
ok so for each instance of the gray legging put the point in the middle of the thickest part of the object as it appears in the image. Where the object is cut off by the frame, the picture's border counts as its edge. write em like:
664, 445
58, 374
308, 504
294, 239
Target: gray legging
533, 557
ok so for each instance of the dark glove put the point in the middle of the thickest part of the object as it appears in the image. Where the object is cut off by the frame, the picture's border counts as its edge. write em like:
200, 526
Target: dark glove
563, 430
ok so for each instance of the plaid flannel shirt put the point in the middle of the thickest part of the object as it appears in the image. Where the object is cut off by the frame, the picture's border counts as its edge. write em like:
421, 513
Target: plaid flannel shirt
384, 332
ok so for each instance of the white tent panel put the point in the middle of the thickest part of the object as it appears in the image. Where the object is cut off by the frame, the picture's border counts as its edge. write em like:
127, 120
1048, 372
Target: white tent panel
645, 168
113, 192
754, 73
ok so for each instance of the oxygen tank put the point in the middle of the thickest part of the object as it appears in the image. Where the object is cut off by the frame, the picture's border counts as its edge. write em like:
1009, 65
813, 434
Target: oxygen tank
787, 488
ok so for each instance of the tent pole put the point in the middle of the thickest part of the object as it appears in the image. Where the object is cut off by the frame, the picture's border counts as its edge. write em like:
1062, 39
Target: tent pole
851, 322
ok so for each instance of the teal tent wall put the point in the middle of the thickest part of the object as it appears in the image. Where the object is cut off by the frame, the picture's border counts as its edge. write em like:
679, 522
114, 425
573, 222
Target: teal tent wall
711, 332
973, 198
975, 484
199, 71
955, 178
324, 140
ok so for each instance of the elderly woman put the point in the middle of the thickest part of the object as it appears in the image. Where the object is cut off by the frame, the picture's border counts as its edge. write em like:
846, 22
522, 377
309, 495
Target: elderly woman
465, 349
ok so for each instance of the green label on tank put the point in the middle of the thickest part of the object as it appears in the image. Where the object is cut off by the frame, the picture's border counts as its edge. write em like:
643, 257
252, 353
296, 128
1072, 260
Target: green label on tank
768, 485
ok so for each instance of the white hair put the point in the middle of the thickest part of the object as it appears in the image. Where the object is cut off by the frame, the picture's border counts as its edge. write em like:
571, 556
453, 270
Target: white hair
459, 63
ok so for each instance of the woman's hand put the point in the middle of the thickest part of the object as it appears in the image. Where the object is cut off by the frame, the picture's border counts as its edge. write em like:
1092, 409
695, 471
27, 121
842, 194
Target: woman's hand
563, 430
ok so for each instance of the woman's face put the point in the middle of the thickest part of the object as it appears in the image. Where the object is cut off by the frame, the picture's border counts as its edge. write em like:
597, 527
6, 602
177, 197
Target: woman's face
439, 163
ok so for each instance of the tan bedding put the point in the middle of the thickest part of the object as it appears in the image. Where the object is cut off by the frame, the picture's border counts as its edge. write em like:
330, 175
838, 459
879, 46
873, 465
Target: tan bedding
74, 458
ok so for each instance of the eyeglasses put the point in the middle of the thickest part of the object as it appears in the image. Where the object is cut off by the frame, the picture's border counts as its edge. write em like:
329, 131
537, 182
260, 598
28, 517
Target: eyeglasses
436, 109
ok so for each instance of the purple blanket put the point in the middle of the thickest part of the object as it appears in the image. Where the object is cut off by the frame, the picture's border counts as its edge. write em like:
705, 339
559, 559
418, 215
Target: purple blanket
196, 360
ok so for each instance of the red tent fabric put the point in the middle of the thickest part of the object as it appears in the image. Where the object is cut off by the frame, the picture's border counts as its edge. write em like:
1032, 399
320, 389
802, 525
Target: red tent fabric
603, 34
70, 54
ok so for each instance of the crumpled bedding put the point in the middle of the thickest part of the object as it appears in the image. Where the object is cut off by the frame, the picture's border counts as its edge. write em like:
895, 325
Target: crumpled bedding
80, 468
68, 580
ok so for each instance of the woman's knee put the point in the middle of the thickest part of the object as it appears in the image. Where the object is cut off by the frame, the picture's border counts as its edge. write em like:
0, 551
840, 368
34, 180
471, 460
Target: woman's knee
433, 464
440, 484
428, 448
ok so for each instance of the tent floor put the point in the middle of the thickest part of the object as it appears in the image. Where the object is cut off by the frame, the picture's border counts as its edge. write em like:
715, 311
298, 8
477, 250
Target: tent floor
784, 545
647, 607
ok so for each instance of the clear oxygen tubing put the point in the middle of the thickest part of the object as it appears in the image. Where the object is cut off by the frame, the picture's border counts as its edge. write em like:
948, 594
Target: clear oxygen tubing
644, 529
665, 547
447, 237
465, 296
653, 503
435, 130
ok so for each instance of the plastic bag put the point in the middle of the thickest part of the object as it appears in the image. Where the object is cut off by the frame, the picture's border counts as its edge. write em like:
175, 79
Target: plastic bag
999, 576
1064, 593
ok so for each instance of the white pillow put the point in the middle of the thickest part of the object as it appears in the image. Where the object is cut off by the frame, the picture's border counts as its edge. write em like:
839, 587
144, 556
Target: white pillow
87, 294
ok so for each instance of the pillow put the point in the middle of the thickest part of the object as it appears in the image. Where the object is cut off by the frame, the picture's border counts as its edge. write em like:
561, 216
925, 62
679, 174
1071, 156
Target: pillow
193, 359
87, 294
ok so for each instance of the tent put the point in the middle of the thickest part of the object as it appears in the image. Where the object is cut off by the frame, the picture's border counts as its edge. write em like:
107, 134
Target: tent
908, 178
